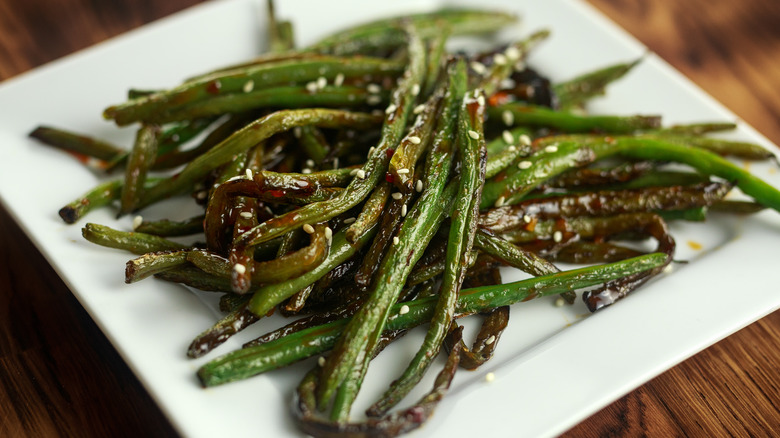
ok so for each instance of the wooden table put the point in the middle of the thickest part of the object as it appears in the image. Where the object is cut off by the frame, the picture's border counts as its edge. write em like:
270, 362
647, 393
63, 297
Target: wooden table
60, 376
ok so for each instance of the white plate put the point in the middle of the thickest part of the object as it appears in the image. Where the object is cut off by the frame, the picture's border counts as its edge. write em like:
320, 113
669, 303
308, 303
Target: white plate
553, 367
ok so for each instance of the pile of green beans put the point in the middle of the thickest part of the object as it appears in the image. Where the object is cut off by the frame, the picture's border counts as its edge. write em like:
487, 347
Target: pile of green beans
372, 182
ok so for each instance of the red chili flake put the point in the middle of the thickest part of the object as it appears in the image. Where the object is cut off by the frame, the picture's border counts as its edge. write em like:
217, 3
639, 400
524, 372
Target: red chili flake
389, 177
499, 98
276, 193
213, 86
390, 152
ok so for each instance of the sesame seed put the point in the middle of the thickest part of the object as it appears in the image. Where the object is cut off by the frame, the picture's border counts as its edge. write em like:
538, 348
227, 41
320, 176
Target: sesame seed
490, 340
137, 221
473, 134
328, 233
559, 302
419, 186
246, 214
396, 240
520, 66
306, 171
557, 236
415, 89
339, 80
321, 361
403, 310
508, 118
361, 174
373, 100
349, 220
249, 86
512, 53
239, 268
527, 219
481, 100
419, 108
309, 163
500, 59
511, 148
500, 201
297, 132
308, 228
507, 83
202, 195
321, 82
373, 88
551, 148
354, 172
404, 210
524, 140
391, 109
397, 195
371, 150
489, 377
402, 171
507, 136
311, 87
415, 139
524, 164
669, 268
336, 163
478, 67
250, 174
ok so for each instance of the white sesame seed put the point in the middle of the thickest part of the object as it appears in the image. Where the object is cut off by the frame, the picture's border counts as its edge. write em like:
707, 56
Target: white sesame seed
361, 174
512, 53
349, 220
508, 118
404, 210
373, 88
520, 65
419, 108
403, 310
353, 172
391, 108
396, 240
137, 221
500, 59
371, 150
239, 268
202, 194
524, 140
311, 87
527, 219
321, 361
250, 174
669, 268
511, 148
415, 139
473, 134
249, 86
402, 171
175, 137
489, 377
336, 163
306, 171
322, 82
418, 186
478, 67
508, 138
397, 195
524, 164
415, 89
500, 201
338, 80
507, 83
246, 214
297, 132
559, 302
551, 148
557, 236
308, 228
373, 99
328, 233
309, 163
490, 340
481, 100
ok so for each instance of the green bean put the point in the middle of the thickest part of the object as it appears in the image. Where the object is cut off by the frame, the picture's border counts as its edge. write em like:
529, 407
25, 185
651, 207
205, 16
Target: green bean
80, 145
531, 115
168, 228
194, 277
575, 92
512, 255
370, 213
504, 63
726, 148
248, 362
138, 163
221, 331
152, 263
102, 195
136, 243
314, 144
247, 137
242, 82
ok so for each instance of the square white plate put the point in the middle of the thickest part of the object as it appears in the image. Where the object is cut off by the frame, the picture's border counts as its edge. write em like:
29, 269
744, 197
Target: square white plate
553, 368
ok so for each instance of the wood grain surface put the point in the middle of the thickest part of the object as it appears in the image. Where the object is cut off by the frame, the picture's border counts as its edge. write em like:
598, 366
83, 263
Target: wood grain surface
59, 376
